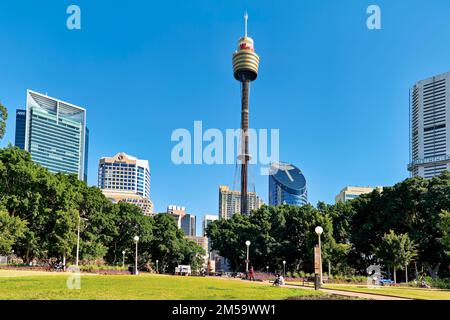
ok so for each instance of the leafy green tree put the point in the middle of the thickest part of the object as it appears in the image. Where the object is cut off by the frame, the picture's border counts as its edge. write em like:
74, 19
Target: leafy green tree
411, 206
193, 255
3, 118
277, 234
11, 228
167, 244
444, 226
129, 222
396, 251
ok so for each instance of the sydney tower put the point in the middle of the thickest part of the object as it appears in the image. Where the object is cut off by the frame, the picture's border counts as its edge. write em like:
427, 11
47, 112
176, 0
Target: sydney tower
245, 67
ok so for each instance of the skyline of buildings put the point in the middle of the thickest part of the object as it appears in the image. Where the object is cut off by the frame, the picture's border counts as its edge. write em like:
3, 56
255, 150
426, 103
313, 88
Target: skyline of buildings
230, 202
287, 185
40, 127
54, 133
124, 178
430, 126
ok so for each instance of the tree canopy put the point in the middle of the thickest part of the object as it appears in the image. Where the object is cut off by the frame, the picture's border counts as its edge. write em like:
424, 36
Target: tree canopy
40, 212
3, 118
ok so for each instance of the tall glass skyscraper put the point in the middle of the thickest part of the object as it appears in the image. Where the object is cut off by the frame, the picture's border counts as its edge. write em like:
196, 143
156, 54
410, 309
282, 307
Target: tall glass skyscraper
287, 185
21, 122
56, 134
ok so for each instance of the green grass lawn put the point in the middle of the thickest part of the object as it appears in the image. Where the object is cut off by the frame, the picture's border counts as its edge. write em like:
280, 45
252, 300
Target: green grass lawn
404, 292
42, 286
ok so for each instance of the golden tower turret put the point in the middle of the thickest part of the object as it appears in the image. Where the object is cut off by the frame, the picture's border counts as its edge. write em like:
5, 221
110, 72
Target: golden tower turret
245, 60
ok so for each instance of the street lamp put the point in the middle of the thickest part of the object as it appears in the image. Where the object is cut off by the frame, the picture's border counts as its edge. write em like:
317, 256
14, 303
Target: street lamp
157, 269
284, 267
247, 243
319, 231
123, 258
267, 268
78, 238
136, 240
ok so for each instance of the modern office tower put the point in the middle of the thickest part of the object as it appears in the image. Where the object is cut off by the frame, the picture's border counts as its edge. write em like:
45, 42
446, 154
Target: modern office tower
245, 68
207, 219
430, 126
126, 178
185, 221
230, 202
189, 225
287, 185
21, 123
56, 134
350, 193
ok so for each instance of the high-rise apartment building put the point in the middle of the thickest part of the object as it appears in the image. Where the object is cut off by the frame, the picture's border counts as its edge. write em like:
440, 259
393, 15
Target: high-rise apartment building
230, 202
350, 193
287, 185
55, 134
430, 126
126, 178
185, 221
21, 123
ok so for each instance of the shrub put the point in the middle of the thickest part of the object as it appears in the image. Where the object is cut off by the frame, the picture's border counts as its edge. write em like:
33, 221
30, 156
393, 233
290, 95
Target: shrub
438, 283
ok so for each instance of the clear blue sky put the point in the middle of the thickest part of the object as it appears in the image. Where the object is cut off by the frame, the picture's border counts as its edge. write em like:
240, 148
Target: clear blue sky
337, 91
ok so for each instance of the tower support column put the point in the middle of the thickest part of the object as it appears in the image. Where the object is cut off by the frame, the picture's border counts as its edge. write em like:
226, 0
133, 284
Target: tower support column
244, 141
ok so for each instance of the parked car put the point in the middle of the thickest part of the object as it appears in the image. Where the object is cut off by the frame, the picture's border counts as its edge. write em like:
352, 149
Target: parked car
386, 282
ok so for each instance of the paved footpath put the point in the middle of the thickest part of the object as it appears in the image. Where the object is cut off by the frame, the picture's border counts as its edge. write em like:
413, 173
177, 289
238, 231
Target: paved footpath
351, 294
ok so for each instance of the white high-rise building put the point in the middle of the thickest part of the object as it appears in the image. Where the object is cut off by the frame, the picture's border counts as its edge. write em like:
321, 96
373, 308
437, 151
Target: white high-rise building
126, 178
430, 126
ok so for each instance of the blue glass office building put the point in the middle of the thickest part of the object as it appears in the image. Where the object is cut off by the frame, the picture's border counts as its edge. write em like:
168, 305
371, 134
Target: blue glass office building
21, 122
56, 134
287, 185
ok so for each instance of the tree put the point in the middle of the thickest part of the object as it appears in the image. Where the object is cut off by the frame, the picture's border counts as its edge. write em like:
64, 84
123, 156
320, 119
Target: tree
276, 233
396, 251
444, 226
129, 222
411, 206
11, 229
3, 118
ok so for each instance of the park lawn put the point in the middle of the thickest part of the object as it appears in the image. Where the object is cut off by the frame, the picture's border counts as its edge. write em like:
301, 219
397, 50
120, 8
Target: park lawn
53, 286
404, 292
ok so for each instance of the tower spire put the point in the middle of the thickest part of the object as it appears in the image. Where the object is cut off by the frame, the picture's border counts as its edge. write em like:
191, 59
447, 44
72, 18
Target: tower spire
245, 23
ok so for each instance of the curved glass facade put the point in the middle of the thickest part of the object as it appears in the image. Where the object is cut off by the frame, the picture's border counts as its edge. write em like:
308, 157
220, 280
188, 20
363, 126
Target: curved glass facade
287, 185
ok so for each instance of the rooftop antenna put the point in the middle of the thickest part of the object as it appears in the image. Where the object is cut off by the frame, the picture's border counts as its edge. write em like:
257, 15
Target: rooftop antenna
245, 23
